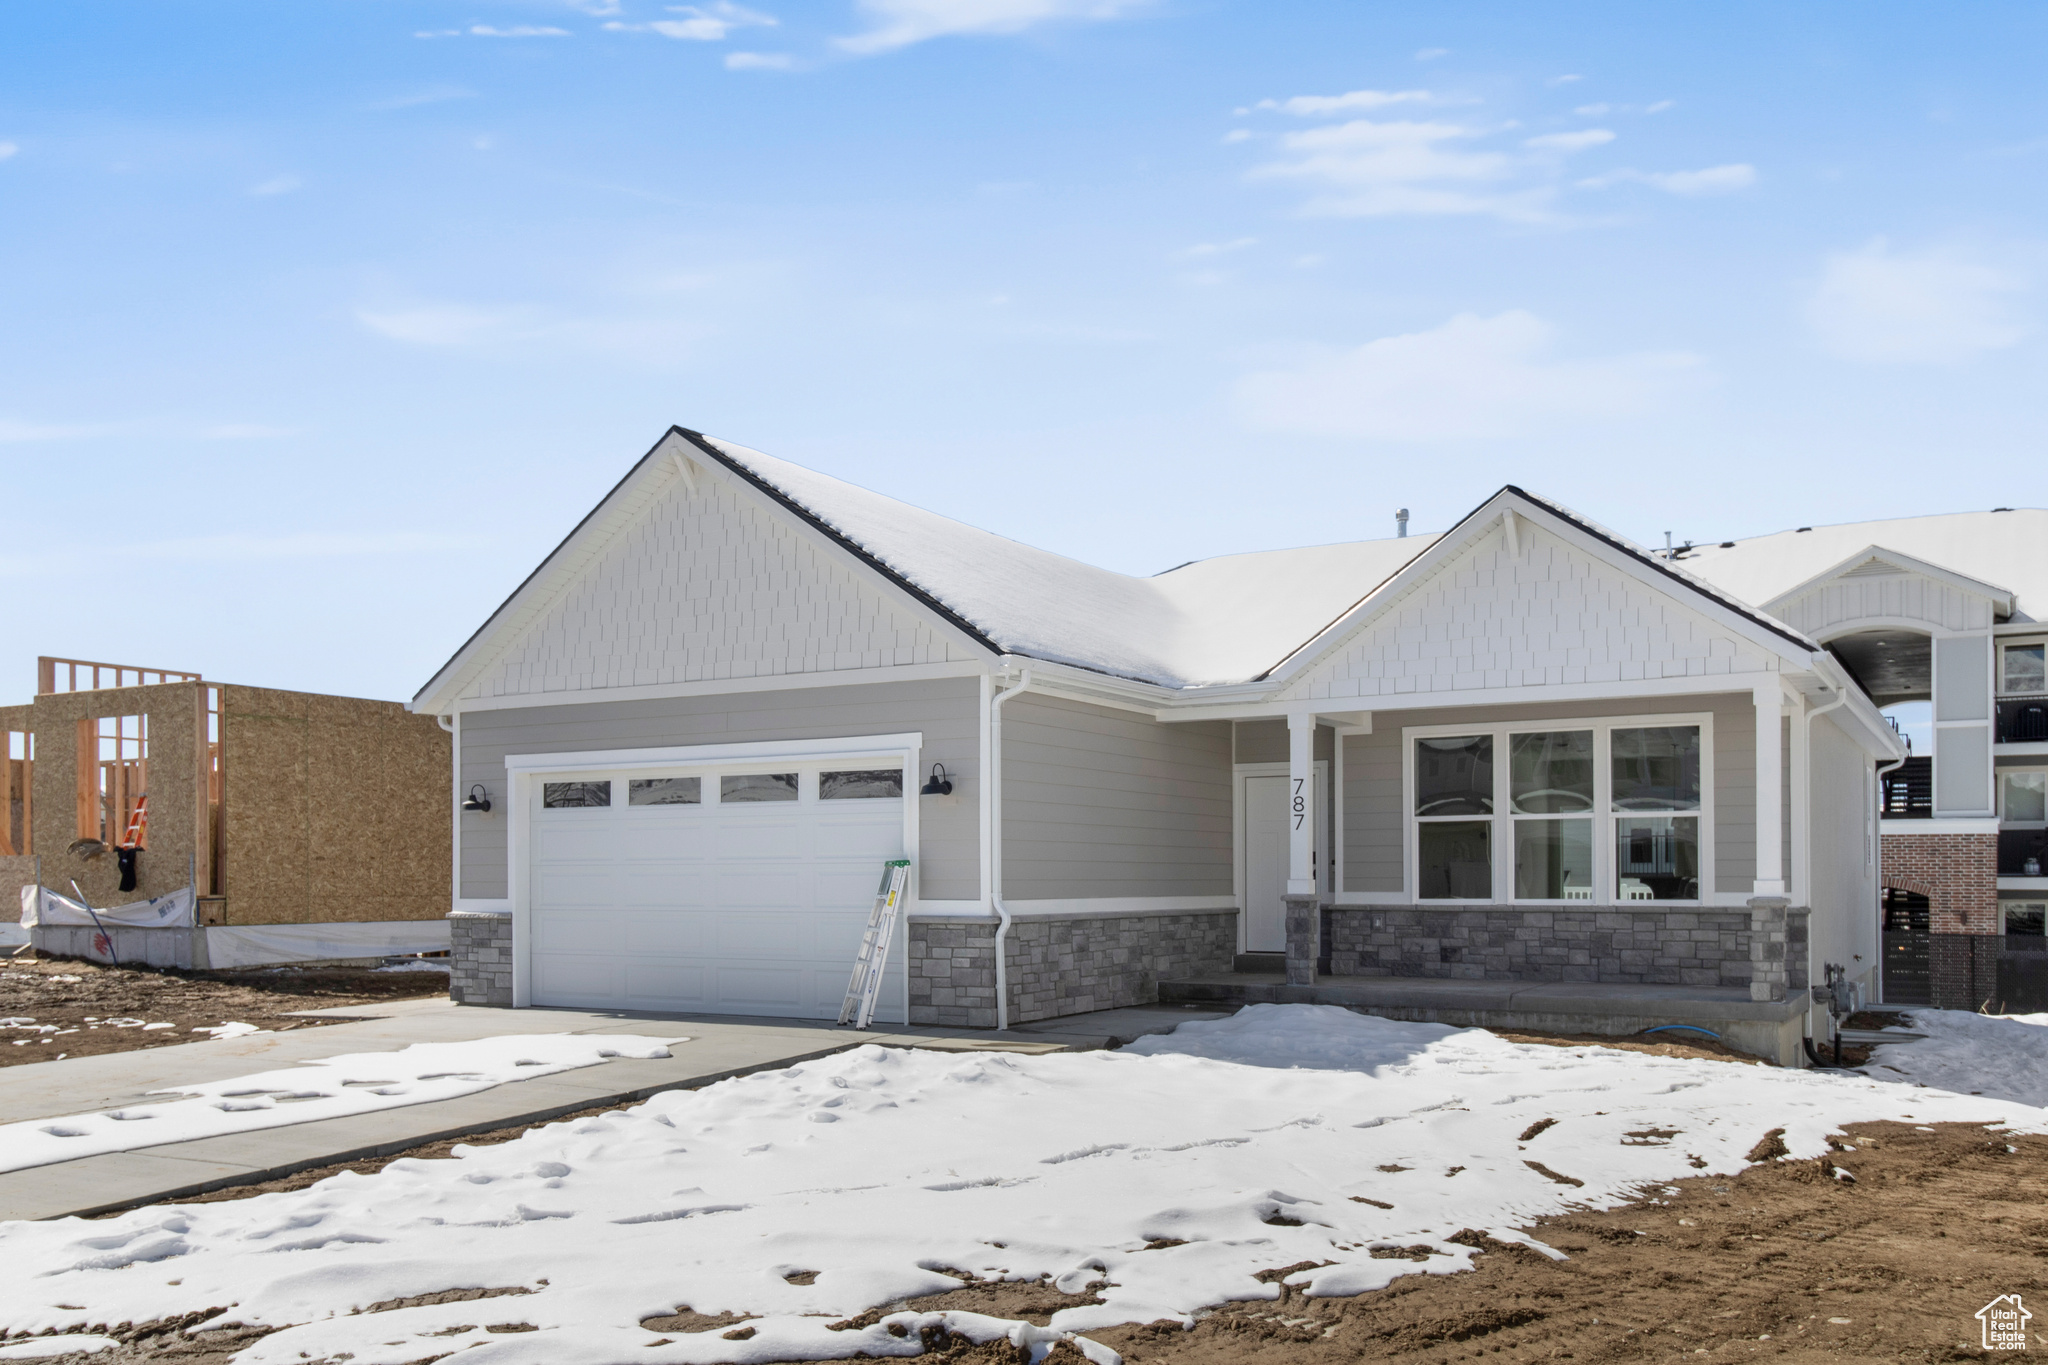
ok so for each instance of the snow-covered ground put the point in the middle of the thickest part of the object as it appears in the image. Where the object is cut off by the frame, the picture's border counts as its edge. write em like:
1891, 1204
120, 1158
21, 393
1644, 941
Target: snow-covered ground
331, 1087
2004, 1056
1166, 1175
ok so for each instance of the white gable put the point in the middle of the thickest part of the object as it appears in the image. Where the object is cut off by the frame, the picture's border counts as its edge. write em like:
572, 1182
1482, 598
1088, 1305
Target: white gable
1876, 588
708, 583
1542, 613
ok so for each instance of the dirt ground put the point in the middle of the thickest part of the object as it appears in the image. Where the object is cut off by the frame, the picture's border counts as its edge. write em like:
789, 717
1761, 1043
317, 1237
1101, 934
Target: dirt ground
51, 1008
1882, 1251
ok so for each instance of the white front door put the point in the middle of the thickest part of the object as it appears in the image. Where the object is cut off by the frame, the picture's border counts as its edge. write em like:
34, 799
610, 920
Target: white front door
1265, 856
734, 890
1265, 843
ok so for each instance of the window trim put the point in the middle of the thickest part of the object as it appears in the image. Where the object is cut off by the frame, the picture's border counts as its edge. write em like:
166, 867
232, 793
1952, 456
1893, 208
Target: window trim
2005, 821
2005, 689
1604, 853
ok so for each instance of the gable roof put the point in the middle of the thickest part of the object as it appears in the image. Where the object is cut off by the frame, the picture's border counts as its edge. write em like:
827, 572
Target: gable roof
1232, 619
2005, 550
1880, 561
1222, 620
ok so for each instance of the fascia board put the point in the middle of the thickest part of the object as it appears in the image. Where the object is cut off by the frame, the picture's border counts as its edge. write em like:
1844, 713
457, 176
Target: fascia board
1829, 671
2000, 598
1777, 638
880, 571
652, 473
544, 584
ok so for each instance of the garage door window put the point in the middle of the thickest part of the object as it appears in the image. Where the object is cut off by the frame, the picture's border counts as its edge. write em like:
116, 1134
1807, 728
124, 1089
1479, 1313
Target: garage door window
860, 783
573, 795
665, 791
757, 787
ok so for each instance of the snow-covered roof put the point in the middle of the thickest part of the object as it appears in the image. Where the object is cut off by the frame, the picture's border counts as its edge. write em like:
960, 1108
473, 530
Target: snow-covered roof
1215, 621
2008, 550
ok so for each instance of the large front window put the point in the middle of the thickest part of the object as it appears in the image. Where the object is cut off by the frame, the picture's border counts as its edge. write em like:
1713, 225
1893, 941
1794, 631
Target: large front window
1607, 812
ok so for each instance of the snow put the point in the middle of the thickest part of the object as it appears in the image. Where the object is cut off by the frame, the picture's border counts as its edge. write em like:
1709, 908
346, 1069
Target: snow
330, 1087
880, 1168
233, 1028
2002, 549
1221, 620
2005, 1056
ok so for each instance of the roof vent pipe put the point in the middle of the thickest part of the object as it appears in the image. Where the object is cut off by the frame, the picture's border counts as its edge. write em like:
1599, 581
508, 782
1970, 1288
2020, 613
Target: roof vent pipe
1401, 524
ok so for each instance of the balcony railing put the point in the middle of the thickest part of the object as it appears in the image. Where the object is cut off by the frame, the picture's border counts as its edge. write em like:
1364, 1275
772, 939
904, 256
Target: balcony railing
1908, 792
2022, 720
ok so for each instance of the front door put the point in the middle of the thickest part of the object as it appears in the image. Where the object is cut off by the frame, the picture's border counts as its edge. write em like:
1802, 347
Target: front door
1265, 857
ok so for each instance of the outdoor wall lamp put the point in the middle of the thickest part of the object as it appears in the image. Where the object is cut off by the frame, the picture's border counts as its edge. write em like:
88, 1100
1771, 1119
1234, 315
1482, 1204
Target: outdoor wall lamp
477, 800
938, 784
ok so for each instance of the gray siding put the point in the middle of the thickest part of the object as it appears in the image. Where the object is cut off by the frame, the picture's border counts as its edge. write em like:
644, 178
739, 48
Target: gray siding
945, 710
1842, 881
1265, 741
1373, 837
1100, 802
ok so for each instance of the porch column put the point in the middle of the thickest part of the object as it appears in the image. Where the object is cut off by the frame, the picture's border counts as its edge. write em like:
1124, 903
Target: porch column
1304, 920
1770, 801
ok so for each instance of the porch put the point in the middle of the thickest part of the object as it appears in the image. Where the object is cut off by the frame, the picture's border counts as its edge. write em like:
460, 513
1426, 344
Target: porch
1770, 1029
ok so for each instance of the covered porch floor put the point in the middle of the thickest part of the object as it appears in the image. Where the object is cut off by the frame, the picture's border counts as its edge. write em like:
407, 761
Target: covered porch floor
1770, 1029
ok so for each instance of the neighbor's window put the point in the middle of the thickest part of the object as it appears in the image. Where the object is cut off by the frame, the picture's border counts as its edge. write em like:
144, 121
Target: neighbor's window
2025, 798
1454, 781
2026, 669
2025, 917
572, 795
757, 787
665, 791
1550, 795
858, 783
1656, 857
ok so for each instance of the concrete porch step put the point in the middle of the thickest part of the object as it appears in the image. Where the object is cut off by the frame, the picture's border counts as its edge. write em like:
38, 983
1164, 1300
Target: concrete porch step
1260, 963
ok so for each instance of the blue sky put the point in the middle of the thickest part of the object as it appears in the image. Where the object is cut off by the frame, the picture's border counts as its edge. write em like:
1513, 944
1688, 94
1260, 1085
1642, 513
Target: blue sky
325, 320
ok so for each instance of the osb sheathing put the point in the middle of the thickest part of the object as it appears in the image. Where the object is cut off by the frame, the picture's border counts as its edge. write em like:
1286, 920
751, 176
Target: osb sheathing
176, 714
337, 809
16, 871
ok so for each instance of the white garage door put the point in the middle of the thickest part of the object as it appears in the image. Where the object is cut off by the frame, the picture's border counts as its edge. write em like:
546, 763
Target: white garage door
732, 890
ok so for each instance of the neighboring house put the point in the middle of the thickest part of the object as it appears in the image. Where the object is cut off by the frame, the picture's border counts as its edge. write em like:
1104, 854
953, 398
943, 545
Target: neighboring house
1514, 773
281, 826
1938, 609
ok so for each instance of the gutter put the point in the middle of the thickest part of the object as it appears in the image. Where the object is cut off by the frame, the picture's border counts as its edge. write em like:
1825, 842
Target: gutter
995, 844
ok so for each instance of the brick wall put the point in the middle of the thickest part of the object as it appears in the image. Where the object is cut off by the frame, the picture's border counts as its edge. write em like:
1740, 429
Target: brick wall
480, 952
1958, 873
1058, 967
1703, 947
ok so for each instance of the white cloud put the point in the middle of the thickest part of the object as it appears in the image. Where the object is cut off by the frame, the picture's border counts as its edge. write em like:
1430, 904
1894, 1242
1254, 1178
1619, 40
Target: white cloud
1659, 107
8, 149
1471, 378
245, 431
11, 431
488, 31
1564, 80
759, 61
1201, 249
1321, 106
900, 23
703, 24
436, 95
1937, 307
1570, 142
1238, 135
1593, 110
277, 184
1690, 184
444, 324
1430, 54
1366, 169
646, 339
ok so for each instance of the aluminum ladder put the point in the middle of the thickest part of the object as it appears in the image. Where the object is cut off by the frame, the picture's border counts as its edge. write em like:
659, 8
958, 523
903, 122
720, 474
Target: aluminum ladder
866, 985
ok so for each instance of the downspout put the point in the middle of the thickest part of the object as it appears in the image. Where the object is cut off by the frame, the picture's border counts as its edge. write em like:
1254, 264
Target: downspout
1806, 860
995, 844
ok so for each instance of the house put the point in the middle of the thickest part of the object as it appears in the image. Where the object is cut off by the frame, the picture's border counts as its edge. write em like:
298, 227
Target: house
211, 824
1947, 610
1514, 773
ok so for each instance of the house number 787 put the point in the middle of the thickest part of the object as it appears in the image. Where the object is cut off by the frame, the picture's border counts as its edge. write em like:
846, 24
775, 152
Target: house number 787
1300, 803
